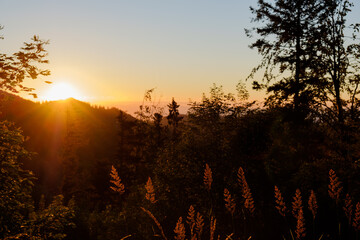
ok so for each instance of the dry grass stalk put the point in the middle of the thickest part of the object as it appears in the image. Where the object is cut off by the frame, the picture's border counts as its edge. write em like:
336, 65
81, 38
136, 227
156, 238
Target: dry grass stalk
297, 204
229, 202
115, 179
280, 203
212, 227
179, 230
191, 222
207, 177
356, 220
246, 192
156, 222
348, 208
199, 225
241, 177
229, 236
335, 187
313, 204
249, 201
300, 230
126, 237
150, 192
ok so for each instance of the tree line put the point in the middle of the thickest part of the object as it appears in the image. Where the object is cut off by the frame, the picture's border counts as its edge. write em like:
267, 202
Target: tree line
184, 175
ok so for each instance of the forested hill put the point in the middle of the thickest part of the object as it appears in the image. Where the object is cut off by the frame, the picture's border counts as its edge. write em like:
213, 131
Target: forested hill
58, 129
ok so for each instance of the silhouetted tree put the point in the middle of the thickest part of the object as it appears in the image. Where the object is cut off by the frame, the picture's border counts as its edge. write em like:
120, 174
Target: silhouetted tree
288, 42
337, 60
158, 128
174, 116
14, 69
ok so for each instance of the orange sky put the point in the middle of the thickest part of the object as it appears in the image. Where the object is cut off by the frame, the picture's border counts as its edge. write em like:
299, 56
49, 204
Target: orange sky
111, 51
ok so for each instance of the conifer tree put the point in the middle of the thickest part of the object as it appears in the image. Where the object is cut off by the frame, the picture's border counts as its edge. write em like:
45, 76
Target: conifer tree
288, 42
174, 116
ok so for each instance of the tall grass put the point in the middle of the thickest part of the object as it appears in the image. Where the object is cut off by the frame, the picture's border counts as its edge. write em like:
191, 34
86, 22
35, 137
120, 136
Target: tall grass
193, 226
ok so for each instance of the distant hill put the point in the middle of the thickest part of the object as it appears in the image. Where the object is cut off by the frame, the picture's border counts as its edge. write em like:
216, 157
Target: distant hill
55, 126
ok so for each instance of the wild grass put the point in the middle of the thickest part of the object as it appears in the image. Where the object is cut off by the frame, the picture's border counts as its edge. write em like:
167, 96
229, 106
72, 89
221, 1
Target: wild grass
118, 186
193, 225
150, 191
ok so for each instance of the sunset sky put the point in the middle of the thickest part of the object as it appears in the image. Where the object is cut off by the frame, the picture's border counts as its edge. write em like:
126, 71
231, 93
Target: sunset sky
111, 51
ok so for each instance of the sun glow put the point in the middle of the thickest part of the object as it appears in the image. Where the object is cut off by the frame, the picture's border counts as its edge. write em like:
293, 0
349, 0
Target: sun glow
61, 91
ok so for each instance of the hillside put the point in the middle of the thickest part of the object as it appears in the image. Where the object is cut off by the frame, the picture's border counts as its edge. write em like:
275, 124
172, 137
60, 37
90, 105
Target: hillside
52, 128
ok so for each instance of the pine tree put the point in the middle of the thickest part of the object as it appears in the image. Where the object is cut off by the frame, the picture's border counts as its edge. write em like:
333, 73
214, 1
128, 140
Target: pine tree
288, 41
174, 116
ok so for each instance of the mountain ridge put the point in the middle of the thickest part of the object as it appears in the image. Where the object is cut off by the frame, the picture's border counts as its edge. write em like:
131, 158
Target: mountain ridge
51, 126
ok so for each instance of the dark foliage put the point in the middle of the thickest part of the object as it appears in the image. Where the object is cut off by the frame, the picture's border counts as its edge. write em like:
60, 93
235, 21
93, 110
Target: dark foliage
108, 175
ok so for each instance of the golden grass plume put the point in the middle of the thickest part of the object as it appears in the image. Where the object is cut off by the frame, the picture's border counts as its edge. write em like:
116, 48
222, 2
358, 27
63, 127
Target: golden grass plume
297, 203
229, 202
191, 221
179, 230
115, 179
246, 192
150, 191
280, 203
199, 225
300, 230
356, 220
212, 227
335, 187
348, 207
313, 204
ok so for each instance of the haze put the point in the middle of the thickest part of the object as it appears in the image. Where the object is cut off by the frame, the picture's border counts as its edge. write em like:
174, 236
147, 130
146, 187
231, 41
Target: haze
112, 51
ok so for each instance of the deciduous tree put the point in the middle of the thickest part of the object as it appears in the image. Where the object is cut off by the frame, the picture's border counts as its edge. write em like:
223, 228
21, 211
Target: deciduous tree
17, 67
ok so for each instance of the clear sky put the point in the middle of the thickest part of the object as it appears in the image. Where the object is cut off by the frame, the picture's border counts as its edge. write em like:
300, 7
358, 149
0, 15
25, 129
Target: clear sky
111, 51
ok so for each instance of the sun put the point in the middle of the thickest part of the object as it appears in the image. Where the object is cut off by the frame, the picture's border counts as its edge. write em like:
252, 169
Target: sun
61, 91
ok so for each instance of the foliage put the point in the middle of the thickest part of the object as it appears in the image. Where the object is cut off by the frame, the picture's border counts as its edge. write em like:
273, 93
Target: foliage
15, 183
23, 64
129, 175
288, 41
334, 62
109, 223
52, 222
307, 56
18, 220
